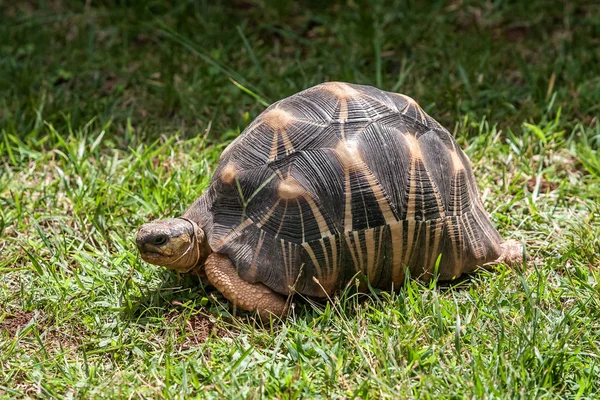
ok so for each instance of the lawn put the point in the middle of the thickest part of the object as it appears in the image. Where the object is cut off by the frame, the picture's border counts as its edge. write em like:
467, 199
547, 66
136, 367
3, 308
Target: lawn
114, 113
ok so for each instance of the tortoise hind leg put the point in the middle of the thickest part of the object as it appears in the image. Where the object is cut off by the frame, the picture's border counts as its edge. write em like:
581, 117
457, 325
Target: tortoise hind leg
223, 275
512, 253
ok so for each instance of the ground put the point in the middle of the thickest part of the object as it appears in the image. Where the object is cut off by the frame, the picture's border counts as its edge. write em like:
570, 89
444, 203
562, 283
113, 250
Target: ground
114, 113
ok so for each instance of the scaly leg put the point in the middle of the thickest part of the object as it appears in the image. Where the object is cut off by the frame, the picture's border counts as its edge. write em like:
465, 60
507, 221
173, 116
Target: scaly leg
222, 274
512, 253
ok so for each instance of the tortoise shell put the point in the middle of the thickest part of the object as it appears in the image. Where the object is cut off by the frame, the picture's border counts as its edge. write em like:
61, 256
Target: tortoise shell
343, 180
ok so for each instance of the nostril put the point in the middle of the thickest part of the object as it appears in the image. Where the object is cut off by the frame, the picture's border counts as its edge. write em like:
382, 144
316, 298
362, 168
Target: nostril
159, 240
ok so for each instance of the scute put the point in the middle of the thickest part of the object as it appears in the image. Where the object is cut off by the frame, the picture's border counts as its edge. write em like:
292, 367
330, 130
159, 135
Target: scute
344, 179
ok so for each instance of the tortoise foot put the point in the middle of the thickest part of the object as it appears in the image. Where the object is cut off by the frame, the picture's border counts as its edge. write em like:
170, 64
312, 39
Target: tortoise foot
512, 253
223, 275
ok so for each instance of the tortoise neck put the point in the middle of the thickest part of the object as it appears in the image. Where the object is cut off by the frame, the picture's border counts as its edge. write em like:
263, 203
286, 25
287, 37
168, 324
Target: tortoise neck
201, 247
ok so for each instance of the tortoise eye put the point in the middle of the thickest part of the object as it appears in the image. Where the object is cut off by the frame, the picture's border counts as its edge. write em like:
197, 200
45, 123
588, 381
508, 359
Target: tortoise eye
159, 240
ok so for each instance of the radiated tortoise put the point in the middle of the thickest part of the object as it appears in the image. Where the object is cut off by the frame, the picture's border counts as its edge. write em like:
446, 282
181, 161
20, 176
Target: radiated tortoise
339, 181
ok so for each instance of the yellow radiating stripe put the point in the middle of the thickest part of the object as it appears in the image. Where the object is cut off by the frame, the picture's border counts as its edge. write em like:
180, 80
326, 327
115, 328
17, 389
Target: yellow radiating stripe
457, 164
438, 199
343, 111
408, 102
326, 254
427, 253
348, 202
396, 232
330, 277
359, 252
439, 228
416, 156
411, 239
234, 232
274, 143
411, 102
460, 201
422, 191
457, 241
384, 206
370, 249
461, 242
252, 269
457, 199
286, 142
412, 192
279, 120
288, 263
378, 260
455, 195
334, 256
282, 218
269, 214
313, 258
352, 253
341, 90
323, 228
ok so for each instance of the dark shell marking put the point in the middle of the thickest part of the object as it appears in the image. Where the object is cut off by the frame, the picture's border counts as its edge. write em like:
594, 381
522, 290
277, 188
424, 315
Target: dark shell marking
343, 179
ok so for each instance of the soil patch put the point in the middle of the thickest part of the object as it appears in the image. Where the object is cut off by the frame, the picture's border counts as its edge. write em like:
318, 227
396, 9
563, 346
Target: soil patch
14, 322
195, 329
545, 186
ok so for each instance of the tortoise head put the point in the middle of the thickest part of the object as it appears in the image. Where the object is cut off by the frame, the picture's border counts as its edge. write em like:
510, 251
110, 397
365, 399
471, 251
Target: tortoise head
175, 243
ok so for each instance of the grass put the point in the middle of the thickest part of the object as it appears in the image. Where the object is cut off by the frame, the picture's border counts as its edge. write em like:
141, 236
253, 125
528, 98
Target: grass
115, 113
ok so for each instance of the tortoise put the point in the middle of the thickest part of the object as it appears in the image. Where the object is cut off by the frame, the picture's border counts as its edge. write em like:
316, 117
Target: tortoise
335, 182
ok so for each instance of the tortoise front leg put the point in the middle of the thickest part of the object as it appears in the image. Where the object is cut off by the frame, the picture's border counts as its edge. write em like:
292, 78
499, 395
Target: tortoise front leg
222, 274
